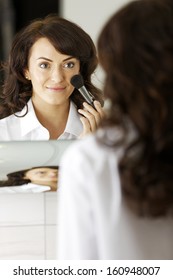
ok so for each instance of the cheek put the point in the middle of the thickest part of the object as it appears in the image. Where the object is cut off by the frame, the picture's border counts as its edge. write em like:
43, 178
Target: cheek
70, 75
36, 77
77, 71
70, 89
37, 81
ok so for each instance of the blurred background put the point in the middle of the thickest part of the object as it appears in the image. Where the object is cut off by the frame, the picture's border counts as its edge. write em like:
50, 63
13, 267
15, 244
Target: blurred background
14, 14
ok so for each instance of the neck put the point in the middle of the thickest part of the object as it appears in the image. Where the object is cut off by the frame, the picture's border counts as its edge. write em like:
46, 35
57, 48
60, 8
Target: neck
52, 117
52, 185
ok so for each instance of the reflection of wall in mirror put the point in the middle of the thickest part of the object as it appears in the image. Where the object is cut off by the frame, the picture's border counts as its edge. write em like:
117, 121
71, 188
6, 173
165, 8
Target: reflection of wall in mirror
17, 155
91, 15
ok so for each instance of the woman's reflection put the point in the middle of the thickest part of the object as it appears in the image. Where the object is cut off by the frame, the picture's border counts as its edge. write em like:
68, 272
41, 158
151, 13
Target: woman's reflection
38, 101
35, 179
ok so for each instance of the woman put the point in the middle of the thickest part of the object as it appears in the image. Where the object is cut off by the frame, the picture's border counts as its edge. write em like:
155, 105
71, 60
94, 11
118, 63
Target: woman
38, 101
116, 199
35, 179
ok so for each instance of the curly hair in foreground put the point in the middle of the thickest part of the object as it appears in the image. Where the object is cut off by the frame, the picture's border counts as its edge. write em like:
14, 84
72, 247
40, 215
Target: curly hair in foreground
138, 62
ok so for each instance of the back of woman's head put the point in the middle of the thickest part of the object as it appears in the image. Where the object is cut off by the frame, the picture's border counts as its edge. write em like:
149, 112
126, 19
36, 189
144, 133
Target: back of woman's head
136, 52
136, 49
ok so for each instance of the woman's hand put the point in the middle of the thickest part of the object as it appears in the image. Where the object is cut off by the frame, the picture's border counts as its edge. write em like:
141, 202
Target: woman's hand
91, 117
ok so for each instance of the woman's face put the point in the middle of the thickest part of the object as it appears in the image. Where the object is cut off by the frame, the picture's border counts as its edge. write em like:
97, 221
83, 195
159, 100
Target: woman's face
41, 175
50, 73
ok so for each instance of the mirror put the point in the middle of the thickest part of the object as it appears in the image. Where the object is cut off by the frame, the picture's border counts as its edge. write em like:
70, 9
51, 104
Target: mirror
30, 166
21, 156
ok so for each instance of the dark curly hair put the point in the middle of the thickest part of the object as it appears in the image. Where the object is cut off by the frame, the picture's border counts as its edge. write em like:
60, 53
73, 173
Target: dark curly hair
67, 38
136, 52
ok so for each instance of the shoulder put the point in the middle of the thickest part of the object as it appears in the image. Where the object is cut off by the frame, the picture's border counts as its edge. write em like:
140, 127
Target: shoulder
89, 153
12, 127
6, 125
81, 147
14, 118
9, 126
5, 120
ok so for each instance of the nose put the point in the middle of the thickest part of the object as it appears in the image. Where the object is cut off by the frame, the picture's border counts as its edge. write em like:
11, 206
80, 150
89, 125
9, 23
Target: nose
57, 75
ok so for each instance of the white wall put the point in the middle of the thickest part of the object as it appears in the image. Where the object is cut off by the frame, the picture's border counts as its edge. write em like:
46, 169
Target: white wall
91, 15
28, 226
16, 155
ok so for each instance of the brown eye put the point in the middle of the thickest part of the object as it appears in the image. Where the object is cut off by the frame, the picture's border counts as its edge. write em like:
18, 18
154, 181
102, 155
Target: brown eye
44, 65
69, 65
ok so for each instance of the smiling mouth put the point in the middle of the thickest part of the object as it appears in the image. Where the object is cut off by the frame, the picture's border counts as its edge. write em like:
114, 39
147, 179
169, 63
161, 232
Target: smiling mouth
56, 88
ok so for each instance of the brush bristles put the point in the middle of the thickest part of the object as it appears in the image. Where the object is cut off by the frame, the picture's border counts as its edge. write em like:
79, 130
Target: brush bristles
77, 81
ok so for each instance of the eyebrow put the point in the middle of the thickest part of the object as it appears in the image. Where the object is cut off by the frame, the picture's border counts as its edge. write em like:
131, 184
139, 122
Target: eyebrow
45, 58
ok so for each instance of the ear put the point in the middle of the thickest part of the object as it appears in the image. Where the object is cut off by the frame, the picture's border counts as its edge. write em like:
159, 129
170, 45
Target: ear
26, 74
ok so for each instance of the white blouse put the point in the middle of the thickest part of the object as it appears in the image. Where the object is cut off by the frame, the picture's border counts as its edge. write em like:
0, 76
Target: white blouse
29, 128
93, 220
25, 188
